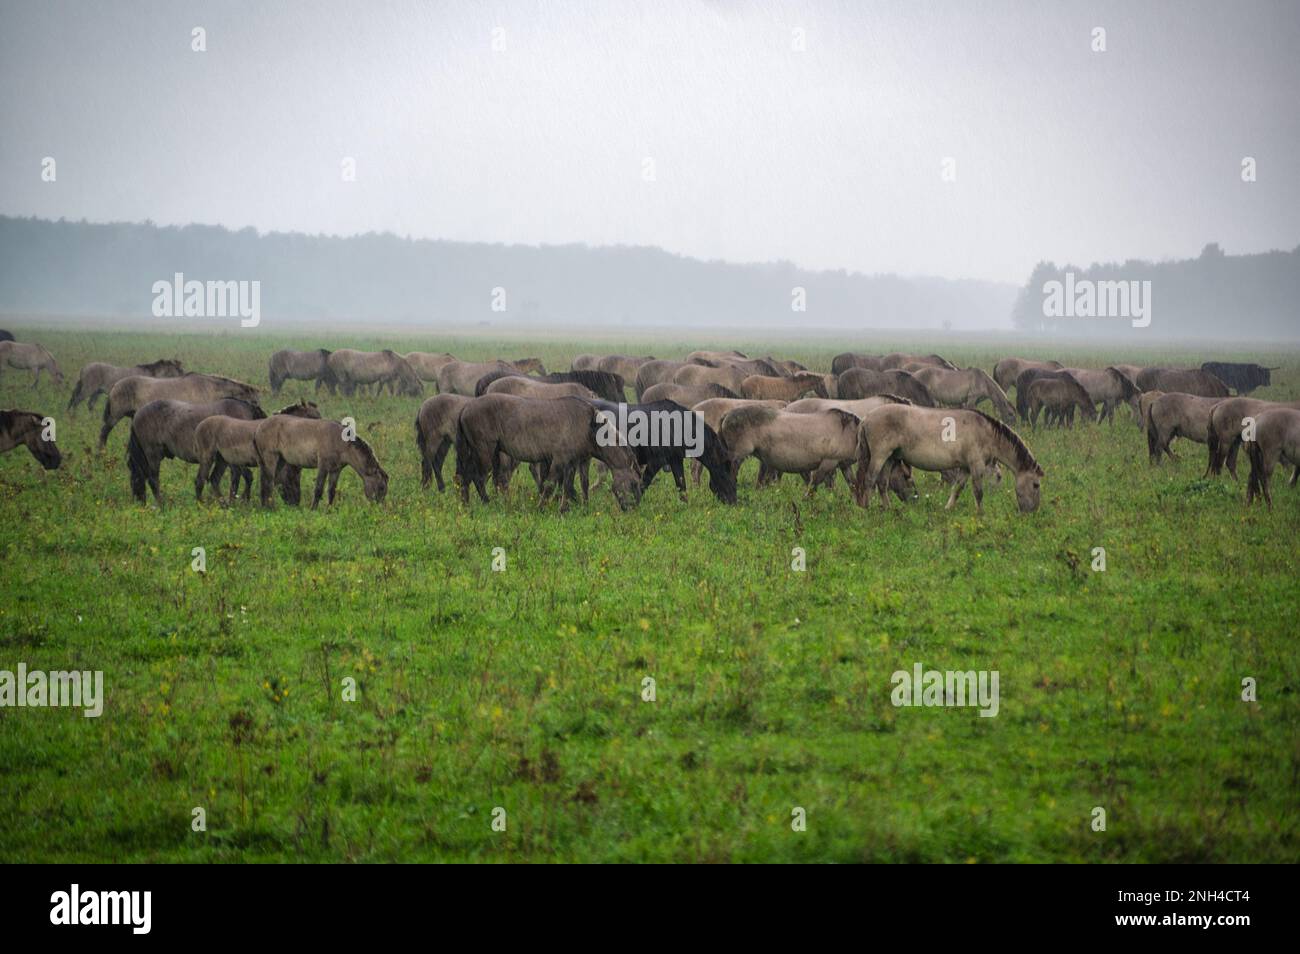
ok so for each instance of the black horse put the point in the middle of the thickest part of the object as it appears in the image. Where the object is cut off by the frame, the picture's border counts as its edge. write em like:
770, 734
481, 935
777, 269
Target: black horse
653, 459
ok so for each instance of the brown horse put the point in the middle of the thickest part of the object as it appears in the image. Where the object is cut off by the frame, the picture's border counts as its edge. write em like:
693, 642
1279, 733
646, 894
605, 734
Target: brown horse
435, 434
461, 377
685, 395
222, 440
352, 368
164, 429
901, 359
940, 439
1061, 396
327, 447
26, 428
301, 366
625, 366
857, 383
760, 387
97, 378
1108, 387
850, 359
428, 365
656, 371
129, 394
1007, 370
523, 386
725, 376
1228, 420
560, 436
953, 388
25, 356
1182, 380
1277, 440
1177, 415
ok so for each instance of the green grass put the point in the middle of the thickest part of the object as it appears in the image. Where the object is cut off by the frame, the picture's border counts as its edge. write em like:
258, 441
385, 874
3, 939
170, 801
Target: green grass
522, 689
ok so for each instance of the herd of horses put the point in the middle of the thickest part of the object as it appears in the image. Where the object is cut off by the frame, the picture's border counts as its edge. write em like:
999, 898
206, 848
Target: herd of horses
874, 419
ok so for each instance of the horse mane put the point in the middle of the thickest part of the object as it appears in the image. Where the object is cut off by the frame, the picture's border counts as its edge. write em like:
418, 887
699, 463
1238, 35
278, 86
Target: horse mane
258, 413
481, 387
894, 399
846, 418
11, 419
767, 366
1127, 388
217, 377
1024, 458
751, 415
597, 381
717, 390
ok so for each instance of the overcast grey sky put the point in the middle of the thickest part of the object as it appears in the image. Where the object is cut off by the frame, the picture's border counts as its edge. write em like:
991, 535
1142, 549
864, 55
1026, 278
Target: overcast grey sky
829, 157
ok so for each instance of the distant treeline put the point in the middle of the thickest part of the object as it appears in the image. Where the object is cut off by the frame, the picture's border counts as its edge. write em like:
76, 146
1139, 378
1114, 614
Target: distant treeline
81, 268
1213, 296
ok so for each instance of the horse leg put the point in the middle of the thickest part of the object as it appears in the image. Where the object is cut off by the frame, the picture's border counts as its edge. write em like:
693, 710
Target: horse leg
219, 468
321, 474
266, 472
439, 455
957, 487
152, 473
333, 484
977, 488
201, 478
679, 475
1232, 456
697, 471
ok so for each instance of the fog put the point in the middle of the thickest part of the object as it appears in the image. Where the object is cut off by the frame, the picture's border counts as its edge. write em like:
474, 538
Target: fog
965, 142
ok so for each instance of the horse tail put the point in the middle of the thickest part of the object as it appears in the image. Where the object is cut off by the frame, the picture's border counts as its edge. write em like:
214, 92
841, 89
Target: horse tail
76, 395
1212, 441
1153, 443
1255, 483
861, 492
137, 464
467, 462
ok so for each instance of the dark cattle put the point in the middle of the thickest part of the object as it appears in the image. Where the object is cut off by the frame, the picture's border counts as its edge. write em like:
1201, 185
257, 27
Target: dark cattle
1242, 378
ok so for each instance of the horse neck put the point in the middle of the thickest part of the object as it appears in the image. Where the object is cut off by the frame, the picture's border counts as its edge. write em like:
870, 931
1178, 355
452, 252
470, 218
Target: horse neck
1005, 450
353, 456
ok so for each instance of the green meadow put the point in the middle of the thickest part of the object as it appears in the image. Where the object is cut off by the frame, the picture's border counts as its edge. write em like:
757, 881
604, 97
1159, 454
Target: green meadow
524, 690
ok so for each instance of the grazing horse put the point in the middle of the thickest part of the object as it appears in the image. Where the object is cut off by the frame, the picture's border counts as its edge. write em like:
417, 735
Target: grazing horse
25, 428
654, 455
1177, 415
132, 393
686, 395
1228, 420
559, 435
435, 434
222, 440
1244, 378
899, 359
625, 366
952, 388
352, 368
428, 365
601, 384
30, 357
1007, 370
1182, 380
1060, 396
302, 366
725, 376
1108, 387
849, 359
857, 383
808, 444
1277, 440
462, 377
760, 387
282, 442
166, 429
814, 445
524, 386
767, 367
97, 378
940, 439
655, 371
